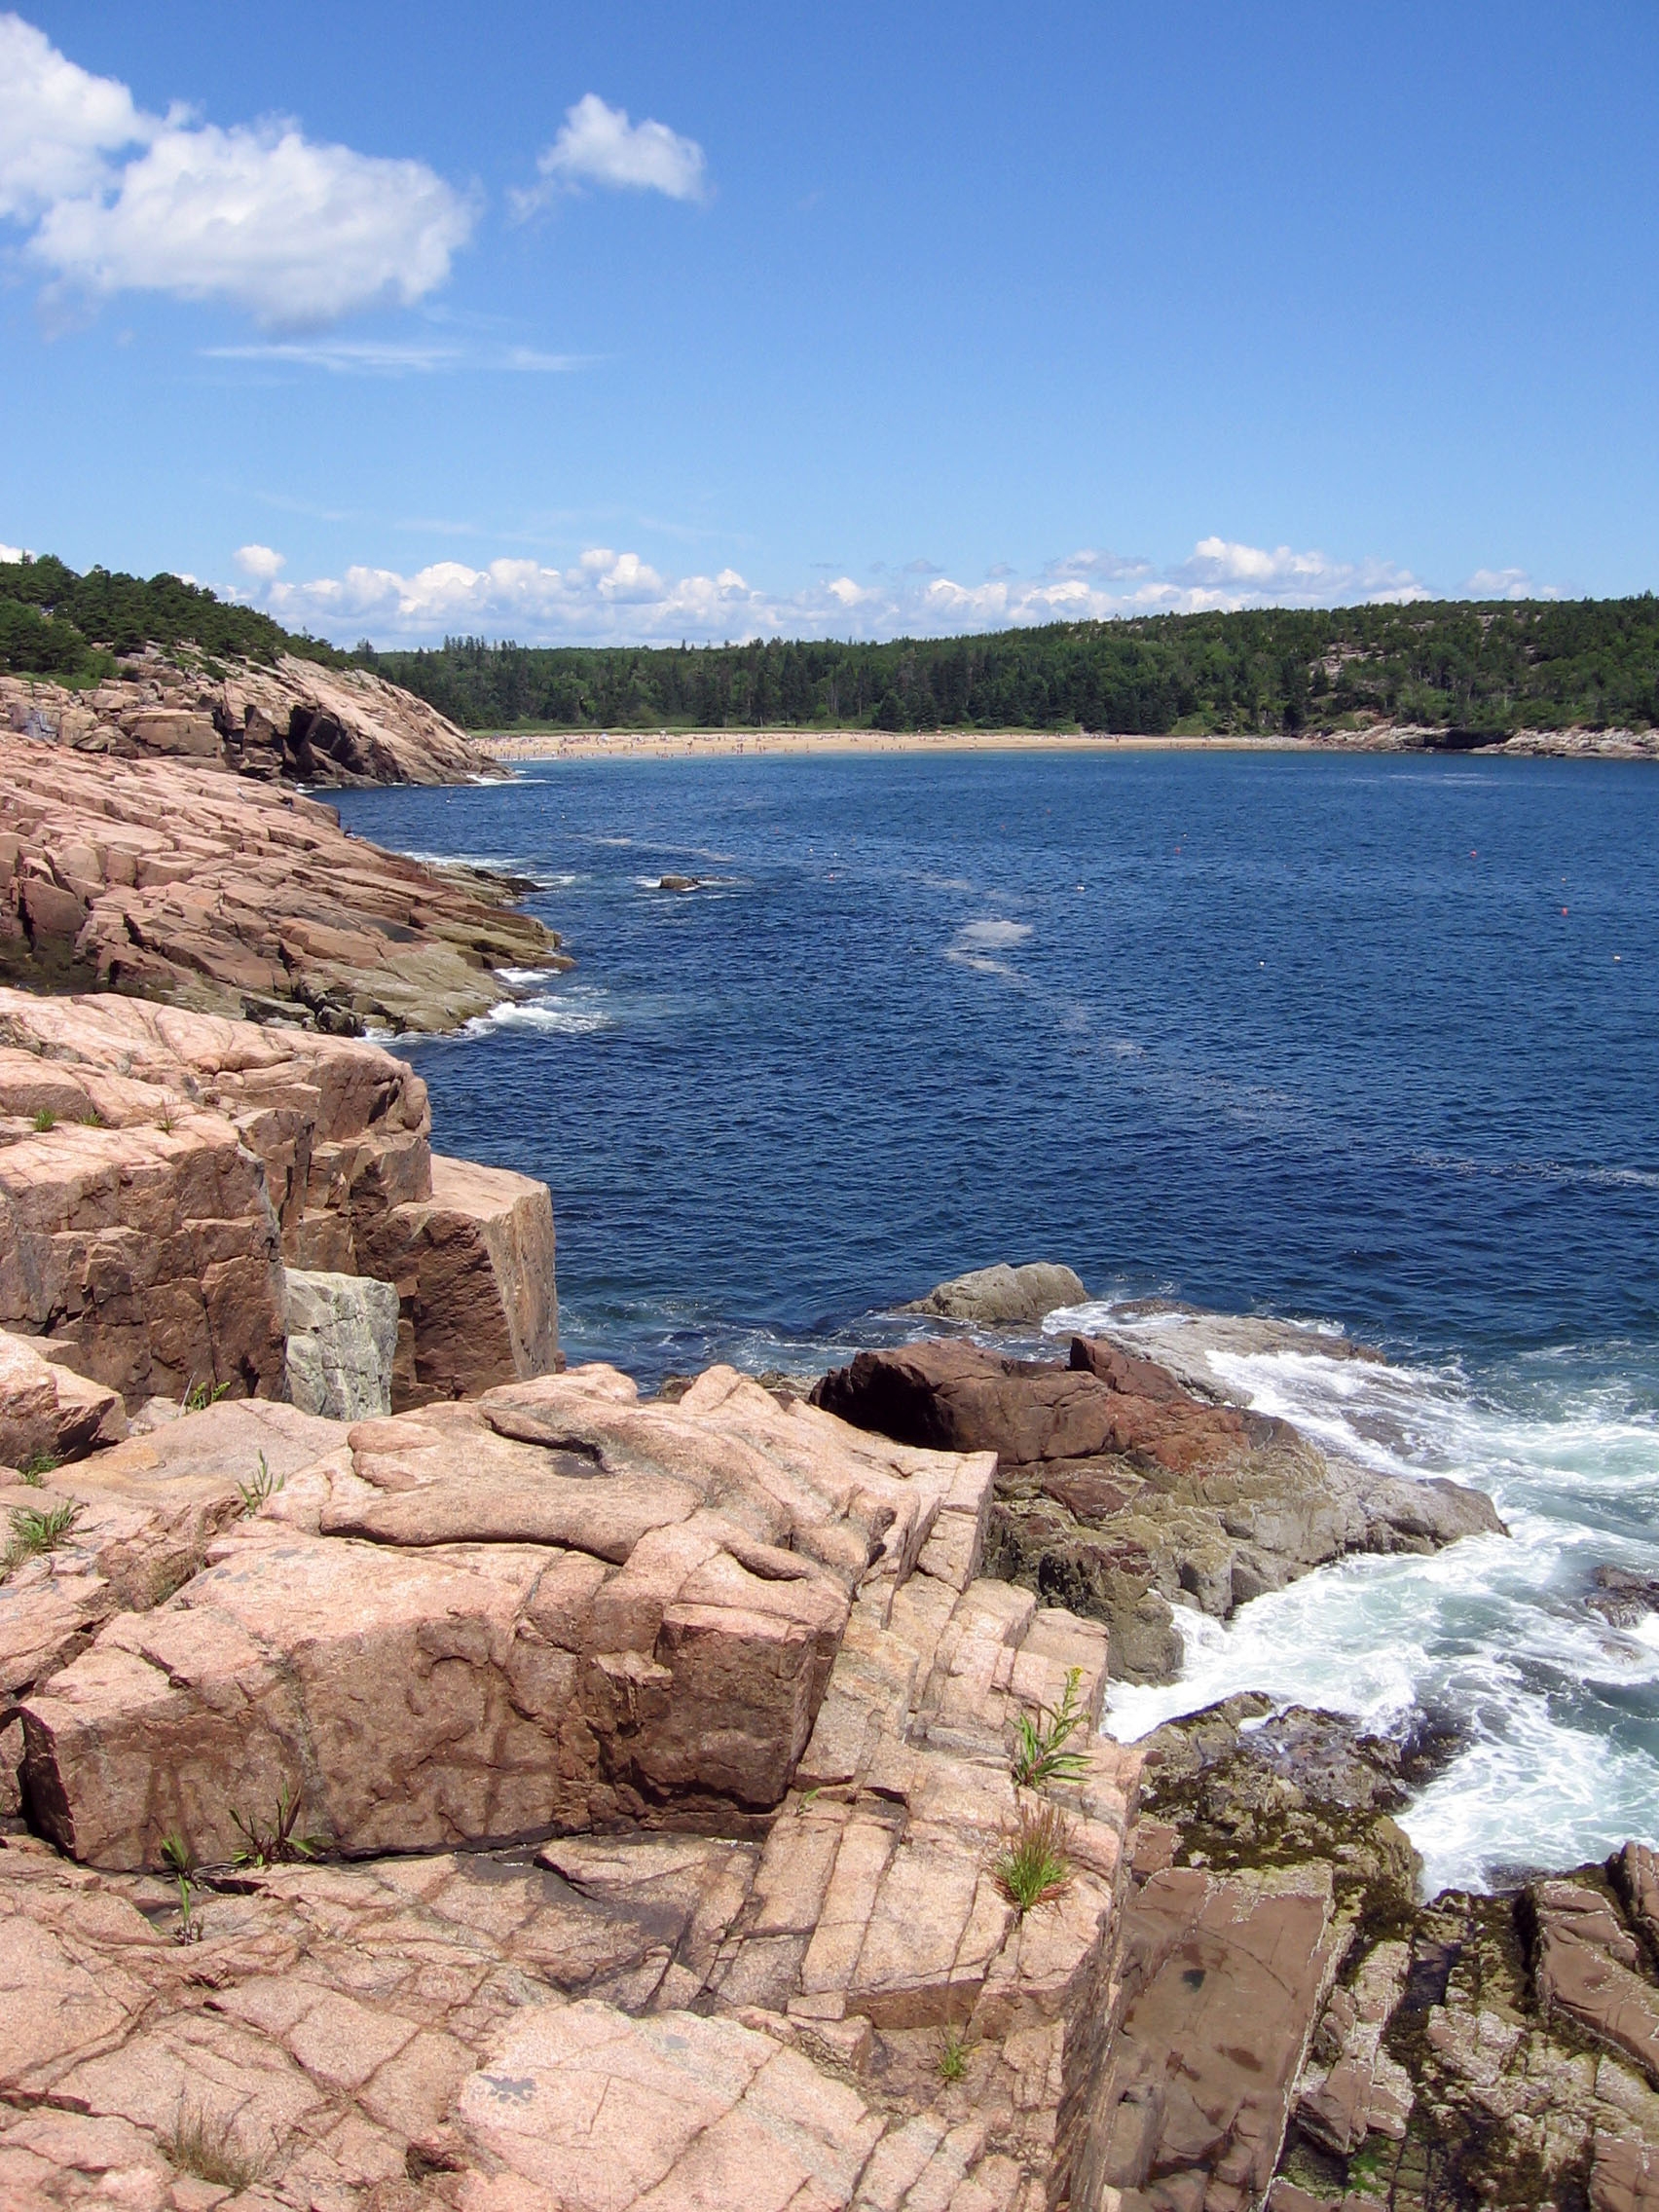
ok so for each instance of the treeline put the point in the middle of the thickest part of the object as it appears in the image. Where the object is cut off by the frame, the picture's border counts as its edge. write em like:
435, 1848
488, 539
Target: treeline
53, 622
1482, 667
1446, 664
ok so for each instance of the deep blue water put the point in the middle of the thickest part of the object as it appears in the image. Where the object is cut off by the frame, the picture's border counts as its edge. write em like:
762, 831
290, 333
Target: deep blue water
1372, 1041
1268, 1031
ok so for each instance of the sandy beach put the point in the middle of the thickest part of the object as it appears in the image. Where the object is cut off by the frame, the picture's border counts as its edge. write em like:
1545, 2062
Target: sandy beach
709, 744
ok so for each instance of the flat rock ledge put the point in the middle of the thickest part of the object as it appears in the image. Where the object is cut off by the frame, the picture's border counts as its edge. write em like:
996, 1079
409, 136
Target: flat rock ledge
160, 1173
733, 1658
1123, 1495
170, 879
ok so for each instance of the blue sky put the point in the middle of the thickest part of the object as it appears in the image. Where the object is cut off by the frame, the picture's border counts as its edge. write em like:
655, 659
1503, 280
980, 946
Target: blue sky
650, 321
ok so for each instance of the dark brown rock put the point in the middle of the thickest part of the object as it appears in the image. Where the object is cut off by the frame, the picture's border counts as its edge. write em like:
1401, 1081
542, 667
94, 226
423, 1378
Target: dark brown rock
1121, 1494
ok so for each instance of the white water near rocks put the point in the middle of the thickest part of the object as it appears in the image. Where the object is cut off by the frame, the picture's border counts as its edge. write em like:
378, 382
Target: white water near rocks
1558, 1712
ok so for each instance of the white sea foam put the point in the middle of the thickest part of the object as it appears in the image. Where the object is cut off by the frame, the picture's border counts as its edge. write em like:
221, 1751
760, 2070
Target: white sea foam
991, 935
577, 1011
1558, 1711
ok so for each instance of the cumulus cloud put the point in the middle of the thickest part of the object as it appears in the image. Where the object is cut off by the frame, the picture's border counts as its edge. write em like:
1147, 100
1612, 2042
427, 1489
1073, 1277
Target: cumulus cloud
1221, 574
58, 125
298, 233
10, 554
1508, 583
260, 562
597, 144
616, 597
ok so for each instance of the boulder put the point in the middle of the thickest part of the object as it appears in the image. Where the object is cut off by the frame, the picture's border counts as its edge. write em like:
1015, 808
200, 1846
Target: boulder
342, 1344
48, 1412
191, 1158
149, 1256
1121, 1492
473, 1264
164, 877
1002, 1296
1226, 1981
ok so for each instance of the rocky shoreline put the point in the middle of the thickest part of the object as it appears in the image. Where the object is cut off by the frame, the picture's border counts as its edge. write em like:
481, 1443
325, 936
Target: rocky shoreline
430, 1778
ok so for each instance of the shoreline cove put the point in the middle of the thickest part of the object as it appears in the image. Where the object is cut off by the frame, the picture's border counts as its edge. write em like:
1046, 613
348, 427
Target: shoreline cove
509, 746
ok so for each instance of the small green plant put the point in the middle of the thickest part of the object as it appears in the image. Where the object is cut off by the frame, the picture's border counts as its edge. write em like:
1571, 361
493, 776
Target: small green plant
276, 1845
1032, 1867
177, 1854
44, 1119
264, 1484
199, 1396
37, 1529
37, 1466
207, 2146
953, 2055
164, 1120
1039, 1752
188, 1928
91, 1119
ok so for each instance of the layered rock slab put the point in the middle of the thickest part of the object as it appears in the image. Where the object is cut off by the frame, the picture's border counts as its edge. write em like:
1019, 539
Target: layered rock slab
1121, 1494
549, 1609
174, 880
145, 1234
662, 2018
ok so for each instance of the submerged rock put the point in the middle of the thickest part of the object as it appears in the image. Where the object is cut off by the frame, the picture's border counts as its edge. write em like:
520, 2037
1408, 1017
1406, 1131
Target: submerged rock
1121, 1494
1623, 1598
1003, 1296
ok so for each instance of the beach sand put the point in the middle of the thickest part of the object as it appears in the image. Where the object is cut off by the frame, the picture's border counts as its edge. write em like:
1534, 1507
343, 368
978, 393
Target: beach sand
711, 744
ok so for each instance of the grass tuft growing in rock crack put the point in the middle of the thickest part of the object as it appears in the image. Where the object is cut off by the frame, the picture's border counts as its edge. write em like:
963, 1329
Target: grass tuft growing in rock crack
36, 1530
207, 2146
276, 1845
1034, 1863
954, 2048
262, 1486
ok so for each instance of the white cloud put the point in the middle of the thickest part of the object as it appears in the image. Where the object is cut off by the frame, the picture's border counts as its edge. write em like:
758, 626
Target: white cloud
597, 144
608, 596
1508, 583
119, 201
8, 554
58, 125
260, 562
398, 356
1219, 572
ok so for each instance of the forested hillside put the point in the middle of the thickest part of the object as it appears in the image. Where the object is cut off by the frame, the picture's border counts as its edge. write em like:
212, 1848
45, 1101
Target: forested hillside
53, 622
1449, 664
1490, 668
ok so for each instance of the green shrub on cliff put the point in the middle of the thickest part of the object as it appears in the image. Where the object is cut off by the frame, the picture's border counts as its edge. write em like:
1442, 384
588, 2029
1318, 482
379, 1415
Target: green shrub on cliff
53, 622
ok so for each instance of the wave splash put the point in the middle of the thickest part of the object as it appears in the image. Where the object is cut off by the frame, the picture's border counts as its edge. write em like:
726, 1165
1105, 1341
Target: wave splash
1557, 1711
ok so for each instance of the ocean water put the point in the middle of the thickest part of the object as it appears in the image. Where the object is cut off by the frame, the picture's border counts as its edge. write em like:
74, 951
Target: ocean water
1371, 1042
